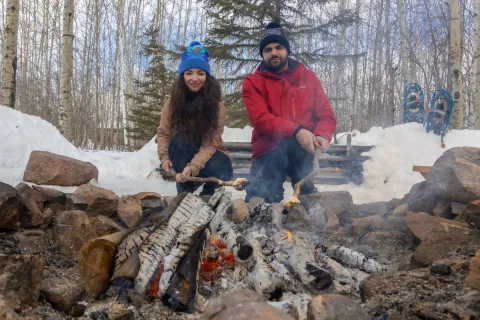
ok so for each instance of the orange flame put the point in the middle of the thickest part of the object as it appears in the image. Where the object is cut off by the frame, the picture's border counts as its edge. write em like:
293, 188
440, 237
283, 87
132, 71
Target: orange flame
209, 267
289, 236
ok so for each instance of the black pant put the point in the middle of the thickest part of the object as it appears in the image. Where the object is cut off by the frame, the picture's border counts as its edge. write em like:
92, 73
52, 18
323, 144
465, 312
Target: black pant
269, 171
219, 165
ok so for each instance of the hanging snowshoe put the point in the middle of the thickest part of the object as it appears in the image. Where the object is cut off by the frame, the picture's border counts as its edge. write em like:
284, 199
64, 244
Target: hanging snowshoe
438, 115
413, 103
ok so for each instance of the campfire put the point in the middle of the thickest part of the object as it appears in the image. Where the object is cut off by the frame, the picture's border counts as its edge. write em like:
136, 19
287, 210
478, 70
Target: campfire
171, 251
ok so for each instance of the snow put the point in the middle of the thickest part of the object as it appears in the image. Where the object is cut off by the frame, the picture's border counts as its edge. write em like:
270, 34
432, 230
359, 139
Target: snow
387, 174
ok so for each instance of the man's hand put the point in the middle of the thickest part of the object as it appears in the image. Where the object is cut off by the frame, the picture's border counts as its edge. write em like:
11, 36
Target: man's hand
167, 165
323, 143
186, 172
307, 140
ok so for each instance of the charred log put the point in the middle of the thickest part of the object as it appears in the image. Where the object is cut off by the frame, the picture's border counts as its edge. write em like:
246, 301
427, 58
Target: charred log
160, 242
354, 259
240, 247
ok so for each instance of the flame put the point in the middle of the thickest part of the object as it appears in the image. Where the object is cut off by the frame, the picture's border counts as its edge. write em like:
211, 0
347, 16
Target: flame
210, 267
289, 236
156, 282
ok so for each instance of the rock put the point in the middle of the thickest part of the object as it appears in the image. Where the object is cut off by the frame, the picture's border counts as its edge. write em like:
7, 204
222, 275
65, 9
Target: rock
377, 223
457, 207
298, 217
72, 230
286, 307
36, 195
20, 277
112, 310
10, 207
422, 197
443, 210
386, 247
103, 225
464, 306
147, 195
473, 278
61, 293
471, 213
455, 174
31, 216
444, 239
51, 195
100, 201
53, 169
129, 210
421, 224
333, 221
242, 305
75, 202
48, 216
32, 241
372, 209
255, 201
335, 306
239, 211
440, 268
153, 203
401, 210
335, 202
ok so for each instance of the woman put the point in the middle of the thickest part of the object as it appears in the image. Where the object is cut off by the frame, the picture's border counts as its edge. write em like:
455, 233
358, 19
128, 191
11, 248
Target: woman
191, 125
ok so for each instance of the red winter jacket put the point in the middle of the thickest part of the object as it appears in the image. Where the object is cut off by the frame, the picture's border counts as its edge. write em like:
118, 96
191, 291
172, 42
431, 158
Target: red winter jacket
278, 105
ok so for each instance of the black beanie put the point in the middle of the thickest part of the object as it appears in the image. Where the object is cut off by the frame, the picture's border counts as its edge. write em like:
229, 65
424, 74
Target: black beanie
274, 34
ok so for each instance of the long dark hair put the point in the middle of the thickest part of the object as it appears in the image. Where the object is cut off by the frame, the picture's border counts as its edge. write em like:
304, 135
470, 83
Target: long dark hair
195, 114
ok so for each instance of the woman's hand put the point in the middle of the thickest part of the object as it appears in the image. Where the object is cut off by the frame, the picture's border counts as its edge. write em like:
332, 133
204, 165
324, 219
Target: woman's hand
167, 165
186, 172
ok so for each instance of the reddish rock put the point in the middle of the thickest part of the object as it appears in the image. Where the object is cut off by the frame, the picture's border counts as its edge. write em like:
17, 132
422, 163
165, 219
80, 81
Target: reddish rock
104, 225
72, 230
51, 195
239, 211
10, 207
39, 198
61, 293
471, 213
31, 215
100, 201
421, 224
473, 279
53, 169
147, 195
335, 306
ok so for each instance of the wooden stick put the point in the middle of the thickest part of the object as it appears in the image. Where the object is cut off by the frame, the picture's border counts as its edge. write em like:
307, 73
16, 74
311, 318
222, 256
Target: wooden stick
238, 184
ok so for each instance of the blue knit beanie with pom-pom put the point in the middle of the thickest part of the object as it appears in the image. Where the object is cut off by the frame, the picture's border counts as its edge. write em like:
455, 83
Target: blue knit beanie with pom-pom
195, 56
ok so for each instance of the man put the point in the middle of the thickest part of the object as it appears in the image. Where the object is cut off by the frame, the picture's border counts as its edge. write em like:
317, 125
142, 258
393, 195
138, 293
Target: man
290, 115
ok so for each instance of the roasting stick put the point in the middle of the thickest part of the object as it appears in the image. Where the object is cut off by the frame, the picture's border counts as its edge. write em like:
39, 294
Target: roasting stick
238, 183
293, 200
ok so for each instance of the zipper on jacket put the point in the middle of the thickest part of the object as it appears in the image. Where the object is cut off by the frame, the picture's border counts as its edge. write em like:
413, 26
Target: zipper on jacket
293, 105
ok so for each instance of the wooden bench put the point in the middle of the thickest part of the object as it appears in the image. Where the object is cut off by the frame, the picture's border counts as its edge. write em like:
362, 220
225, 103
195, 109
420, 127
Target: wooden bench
423, 170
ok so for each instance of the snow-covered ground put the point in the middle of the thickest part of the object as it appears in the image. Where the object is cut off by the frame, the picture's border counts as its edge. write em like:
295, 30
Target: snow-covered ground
387, 175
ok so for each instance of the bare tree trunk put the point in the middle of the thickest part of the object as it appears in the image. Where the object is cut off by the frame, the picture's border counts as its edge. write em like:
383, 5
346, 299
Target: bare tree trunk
10, 55
476, 113
403, 39
355, 66
389, 71
121, 68
456, 64
66, 105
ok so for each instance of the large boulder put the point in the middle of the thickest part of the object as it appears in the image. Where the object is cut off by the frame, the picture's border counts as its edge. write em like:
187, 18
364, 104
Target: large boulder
100, 201
423, 197
53, 169
335, 306
20, 277
242, 305
72, 230
455, 174
421, 224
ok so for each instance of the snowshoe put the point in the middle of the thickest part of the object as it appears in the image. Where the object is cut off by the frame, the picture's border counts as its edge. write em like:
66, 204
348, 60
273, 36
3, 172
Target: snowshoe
413, 103
438, 115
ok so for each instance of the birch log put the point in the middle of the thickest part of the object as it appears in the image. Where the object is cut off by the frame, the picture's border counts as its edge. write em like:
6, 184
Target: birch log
354, 259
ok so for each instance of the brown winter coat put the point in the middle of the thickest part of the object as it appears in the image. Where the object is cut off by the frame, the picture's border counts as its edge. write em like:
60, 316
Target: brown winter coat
207, 149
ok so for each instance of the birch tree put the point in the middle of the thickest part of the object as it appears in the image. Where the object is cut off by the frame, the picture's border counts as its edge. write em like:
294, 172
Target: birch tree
476, 117
10, 55
455, 52
66, 104
403, 39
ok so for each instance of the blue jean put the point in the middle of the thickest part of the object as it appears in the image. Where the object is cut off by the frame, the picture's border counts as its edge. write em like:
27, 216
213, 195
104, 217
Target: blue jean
219, 165
269, 171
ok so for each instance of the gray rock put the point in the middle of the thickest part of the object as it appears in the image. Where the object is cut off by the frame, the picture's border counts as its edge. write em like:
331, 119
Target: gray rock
335, 306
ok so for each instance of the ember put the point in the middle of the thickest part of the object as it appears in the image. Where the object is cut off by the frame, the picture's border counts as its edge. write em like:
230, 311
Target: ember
289, 236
